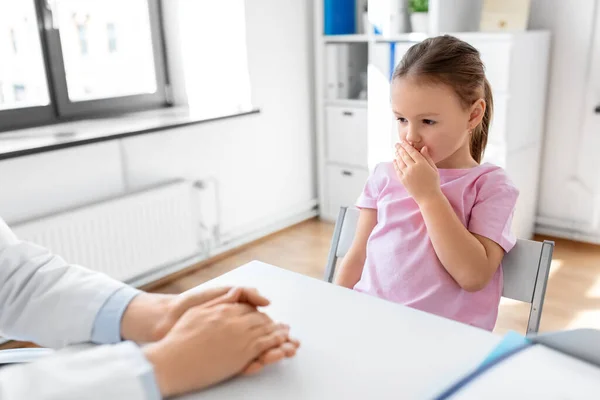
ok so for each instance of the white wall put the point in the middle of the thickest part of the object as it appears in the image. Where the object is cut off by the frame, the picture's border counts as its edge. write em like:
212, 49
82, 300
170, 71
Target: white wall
263, 163
45, 183
564, 199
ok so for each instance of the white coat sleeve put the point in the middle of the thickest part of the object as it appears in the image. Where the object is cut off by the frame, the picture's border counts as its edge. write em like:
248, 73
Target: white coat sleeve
117, 372
45, 300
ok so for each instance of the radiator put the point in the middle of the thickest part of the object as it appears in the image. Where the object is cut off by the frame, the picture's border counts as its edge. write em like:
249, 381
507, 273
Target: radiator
124, 237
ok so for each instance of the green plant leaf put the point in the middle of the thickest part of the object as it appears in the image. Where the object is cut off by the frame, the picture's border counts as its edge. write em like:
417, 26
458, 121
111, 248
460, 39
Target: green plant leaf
419, 5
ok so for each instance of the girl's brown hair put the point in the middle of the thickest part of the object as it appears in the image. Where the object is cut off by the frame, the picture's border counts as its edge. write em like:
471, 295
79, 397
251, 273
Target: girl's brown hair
446, 59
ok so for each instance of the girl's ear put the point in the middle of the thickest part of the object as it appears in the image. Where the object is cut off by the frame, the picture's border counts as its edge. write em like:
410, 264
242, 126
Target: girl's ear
476, 114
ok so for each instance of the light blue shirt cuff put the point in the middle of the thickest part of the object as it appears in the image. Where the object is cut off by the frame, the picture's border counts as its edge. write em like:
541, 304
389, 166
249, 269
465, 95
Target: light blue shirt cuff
148, 379
107, 326
150, 385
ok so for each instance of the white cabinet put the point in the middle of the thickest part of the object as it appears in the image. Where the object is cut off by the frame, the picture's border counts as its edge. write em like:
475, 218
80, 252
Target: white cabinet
346, 132
525, 175
344, 185
346, 157
498, 135
517, 69
496, 56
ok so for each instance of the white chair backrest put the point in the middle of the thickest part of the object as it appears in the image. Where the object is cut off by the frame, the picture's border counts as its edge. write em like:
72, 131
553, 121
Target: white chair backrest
348, 231
520, 266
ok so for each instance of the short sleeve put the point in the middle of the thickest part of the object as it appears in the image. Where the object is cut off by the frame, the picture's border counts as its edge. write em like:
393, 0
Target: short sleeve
370, 193
493, 211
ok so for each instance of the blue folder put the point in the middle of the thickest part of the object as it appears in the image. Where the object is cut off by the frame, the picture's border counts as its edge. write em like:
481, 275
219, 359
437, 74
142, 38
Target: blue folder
340, 17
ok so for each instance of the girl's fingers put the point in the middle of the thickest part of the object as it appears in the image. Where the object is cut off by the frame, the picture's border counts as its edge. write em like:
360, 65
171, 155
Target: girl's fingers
427, 156
397, 168
411, 152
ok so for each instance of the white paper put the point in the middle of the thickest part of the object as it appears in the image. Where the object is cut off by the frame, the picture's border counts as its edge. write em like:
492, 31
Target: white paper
14, 356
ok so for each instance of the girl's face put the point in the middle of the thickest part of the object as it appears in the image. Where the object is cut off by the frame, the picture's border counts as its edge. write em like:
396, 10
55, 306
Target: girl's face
432, 115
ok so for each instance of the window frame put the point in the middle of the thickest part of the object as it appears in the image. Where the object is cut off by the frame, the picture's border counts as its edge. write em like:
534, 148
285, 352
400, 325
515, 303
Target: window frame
61, 108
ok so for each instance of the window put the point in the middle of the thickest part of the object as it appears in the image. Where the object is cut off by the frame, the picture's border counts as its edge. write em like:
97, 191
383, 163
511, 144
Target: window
22, 74
82, 36
93, 71
75, 58
111, 33
13, 40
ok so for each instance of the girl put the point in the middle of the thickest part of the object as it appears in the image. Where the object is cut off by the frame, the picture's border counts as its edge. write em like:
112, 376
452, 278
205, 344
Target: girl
435, 224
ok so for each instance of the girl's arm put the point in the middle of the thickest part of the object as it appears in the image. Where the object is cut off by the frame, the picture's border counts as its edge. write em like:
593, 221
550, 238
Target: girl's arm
352, 264
470, 259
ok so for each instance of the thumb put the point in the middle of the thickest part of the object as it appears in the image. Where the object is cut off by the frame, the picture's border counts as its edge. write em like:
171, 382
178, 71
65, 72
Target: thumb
231, 297
425, 153
187, 301
239, 295
253, 297
221, 295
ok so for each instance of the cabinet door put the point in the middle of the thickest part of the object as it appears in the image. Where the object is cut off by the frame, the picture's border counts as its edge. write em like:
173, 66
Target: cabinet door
344, 185
498, 136
496, 59
569, 192
588, 160
346, 132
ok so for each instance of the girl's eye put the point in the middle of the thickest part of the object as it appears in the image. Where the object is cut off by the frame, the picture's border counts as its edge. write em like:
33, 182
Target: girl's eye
401, 119
428, 122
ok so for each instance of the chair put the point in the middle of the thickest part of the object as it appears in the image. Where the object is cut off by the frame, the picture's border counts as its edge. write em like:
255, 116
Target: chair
526, 266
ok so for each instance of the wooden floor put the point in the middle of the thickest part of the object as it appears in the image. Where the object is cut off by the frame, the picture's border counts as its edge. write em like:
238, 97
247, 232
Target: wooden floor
302, 248
572, 298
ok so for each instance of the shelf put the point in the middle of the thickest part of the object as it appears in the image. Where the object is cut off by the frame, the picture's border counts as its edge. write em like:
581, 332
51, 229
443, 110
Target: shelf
403, 37
363, 38
347, 103
417, 37
358, 38
487, 36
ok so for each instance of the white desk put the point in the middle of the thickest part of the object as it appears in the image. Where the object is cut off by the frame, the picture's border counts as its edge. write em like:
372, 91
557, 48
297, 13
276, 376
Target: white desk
353, 346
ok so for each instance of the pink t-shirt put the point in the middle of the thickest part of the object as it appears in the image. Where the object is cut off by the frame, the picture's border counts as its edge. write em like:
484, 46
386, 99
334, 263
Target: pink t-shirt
401, 263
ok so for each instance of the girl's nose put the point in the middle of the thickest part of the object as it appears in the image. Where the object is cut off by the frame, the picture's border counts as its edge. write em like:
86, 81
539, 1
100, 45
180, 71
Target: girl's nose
413, 136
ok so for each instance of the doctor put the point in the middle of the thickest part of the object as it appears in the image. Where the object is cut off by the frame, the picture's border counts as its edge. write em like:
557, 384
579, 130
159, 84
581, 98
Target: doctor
191, 341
